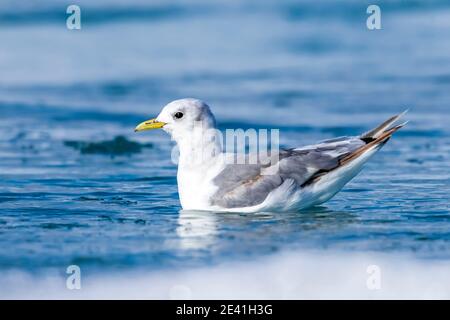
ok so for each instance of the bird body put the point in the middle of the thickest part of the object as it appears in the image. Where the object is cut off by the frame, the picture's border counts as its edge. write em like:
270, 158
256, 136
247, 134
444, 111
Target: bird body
210, 179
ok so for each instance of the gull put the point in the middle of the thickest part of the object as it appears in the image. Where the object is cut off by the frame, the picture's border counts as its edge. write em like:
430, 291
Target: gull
291, 180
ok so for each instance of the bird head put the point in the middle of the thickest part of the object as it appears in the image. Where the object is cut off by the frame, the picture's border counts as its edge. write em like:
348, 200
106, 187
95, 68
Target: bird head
180, 117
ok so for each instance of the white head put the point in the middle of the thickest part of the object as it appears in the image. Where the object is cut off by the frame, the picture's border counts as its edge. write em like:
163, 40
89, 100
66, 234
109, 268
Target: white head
184, 115
181, 117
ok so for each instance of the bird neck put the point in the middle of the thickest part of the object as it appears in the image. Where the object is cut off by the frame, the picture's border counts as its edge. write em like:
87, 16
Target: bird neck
199, 147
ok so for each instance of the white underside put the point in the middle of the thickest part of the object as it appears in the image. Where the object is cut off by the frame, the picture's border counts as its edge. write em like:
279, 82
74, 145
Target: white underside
196, 187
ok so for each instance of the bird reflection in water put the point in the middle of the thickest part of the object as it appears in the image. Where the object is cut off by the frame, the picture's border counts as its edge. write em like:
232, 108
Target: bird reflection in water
208, 230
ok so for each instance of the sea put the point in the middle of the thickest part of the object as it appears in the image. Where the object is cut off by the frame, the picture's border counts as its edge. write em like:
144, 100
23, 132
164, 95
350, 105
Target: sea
89, 209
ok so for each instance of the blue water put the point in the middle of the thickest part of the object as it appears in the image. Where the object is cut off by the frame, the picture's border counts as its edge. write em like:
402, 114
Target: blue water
79, 187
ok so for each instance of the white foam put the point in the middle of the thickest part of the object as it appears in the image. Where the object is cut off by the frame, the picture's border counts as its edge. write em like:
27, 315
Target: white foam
289, 275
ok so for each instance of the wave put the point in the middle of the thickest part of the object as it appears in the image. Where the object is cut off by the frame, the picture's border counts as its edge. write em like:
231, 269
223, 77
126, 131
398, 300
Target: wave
120, 145
354, 9
287, 275
97, 15
103, 12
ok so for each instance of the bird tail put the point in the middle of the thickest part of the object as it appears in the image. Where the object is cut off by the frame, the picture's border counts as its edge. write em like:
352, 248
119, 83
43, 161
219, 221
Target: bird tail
376, 138
384, 127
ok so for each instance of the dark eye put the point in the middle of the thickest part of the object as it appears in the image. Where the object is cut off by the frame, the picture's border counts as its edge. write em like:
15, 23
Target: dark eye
178, 115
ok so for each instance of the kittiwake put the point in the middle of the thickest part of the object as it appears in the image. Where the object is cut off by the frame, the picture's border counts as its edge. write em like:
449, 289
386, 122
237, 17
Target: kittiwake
290, 180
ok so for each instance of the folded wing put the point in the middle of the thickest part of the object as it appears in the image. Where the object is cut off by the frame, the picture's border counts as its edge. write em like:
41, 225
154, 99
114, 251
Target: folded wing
244, 185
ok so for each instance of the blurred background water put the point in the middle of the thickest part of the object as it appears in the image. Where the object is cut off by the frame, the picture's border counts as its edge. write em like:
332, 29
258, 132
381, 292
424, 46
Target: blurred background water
79, 187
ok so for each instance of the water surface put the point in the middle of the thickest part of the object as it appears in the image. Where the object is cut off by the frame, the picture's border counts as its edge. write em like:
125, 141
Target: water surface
79, 187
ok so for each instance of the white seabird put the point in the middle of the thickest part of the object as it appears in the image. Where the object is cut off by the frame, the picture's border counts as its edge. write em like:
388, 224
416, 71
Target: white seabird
293, 180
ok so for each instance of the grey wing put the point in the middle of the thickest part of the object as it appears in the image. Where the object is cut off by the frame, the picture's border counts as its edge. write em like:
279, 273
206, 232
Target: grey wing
244, 185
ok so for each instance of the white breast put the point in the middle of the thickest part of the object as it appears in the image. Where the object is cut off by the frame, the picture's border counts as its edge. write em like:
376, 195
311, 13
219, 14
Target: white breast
195, 183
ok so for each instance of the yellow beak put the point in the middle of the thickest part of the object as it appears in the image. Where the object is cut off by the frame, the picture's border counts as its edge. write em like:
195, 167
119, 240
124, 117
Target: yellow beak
149, 125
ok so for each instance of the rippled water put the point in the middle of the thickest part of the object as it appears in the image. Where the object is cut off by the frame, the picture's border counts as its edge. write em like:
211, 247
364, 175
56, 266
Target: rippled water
79, 187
